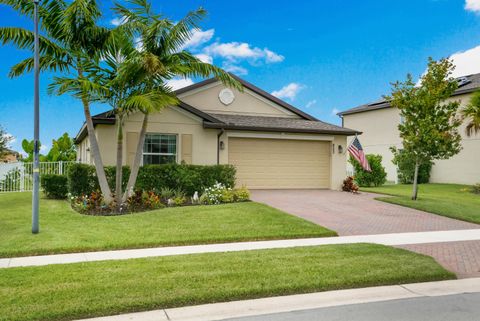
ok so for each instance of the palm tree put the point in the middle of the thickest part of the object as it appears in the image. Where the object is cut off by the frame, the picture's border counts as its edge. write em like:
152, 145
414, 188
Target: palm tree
472, 113
71, 43
159, 58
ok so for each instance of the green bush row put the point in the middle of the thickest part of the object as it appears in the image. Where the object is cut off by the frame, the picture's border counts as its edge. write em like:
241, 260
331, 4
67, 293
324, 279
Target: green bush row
54, 186
82, 179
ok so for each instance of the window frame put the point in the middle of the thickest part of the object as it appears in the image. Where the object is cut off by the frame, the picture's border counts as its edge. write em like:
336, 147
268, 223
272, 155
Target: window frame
177, 145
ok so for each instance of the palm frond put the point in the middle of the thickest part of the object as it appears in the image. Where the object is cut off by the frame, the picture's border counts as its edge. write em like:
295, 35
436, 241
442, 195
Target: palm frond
79, 87
150, 101
47, 63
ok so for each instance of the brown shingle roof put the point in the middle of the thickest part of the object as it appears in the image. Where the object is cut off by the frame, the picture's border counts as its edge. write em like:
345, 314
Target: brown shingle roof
277, 124
472, 85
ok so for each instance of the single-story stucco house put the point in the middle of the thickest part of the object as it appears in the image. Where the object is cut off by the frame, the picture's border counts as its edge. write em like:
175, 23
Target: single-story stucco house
271, 143
378, 122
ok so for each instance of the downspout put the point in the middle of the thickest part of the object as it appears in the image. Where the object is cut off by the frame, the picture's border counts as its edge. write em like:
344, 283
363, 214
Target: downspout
218, 144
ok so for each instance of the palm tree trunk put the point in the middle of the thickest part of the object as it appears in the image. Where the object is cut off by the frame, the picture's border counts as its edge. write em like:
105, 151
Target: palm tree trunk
94, 149
95, 152
137, 161
118, 172
415, 181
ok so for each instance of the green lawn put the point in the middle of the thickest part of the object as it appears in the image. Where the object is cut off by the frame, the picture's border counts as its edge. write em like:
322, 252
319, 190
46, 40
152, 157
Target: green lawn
65, 292
443, 199
63, 230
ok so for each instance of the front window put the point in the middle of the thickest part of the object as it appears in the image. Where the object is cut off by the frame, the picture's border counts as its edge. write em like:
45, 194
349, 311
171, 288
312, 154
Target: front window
160, 149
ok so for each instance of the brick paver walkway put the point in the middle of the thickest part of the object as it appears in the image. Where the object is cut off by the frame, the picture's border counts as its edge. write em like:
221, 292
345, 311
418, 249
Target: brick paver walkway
350, 214
463, 258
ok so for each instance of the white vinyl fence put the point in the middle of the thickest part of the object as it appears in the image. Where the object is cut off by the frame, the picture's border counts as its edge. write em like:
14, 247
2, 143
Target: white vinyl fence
18, 177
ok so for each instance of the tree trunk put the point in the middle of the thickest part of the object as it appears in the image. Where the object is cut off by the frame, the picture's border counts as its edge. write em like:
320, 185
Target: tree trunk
95, 152
415, 181
137, 161
119, 172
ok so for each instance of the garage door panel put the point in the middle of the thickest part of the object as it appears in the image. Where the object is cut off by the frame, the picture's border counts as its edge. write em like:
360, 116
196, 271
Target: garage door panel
278, 163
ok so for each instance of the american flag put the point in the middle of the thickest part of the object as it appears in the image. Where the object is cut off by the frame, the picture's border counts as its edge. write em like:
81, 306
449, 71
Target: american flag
356, 151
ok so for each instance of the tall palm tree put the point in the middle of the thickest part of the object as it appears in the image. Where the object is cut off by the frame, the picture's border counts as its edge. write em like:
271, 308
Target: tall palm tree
160, 57
471, 113
71, 43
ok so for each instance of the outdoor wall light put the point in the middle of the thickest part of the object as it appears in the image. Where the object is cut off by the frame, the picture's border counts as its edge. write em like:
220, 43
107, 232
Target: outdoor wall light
222, 145
340, 149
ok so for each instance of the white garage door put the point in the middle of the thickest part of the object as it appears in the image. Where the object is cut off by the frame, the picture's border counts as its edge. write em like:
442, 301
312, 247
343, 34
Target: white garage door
280, 163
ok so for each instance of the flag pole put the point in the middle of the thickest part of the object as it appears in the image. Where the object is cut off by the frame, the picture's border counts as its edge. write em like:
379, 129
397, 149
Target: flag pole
36, 128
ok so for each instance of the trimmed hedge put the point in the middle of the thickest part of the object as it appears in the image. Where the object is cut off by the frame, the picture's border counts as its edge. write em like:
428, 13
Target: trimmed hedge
54, 186
82, 178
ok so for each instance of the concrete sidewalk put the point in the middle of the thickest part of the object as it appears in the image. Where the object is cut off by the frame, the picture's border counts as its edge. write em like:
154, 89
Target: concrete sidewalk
385, 239
236, 309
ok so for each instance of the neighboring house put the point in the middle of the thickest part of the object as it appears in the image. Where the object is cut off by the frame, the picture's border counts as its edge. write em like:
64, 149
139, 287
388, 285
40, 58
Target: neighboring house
271, 143
379, 121
10, 156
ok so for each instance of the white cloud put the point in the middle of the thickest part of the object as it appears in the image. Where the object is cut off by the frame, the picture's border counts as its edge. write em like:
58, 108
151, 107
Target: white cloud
44, 148
205, 58
467, 62
271, 56
199, 37
311, 103
236, 50
178, 83
472, 5
289, 91
335, 111
118, 21
235, 69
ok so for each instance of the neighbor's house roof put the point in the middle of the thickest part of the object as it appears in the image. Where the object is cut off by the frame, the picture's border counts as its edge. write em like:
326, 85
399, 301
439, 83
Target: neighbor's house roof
467, 84
308, 123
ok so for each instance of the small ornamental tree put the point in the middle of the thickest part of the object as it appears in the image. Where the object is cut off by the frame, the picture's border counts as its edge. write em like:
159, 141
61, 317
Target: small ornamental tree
430, 127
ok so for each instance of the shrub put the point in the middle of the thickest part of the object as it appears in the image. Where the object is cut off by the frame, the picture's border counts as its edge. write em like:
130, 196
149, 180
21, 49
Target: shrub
141, 201
188, 178
54, 186
82, 179
376, 177
349, 185
213, 195
476, 188
242, 194
228, 196
406, 167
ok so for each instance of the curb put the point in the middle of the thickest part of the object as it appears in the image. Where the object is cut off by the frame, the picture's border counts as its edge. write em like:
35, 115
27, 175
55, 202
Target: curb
245, 308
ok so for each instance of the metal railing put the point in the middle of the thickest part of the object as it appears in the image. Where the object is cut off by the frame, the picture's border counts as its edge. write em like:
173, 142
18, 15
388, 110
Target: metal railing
18, 177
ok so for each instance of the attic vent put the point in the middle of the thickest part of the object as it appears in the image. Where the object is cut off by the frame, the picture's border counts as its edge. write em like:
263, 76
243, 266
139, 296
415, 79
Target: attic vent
463, 81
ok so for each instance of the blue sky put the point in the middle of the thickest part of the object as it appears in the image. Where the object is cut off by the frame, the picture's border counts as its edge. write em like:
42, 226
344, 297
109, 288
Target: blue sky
321, 56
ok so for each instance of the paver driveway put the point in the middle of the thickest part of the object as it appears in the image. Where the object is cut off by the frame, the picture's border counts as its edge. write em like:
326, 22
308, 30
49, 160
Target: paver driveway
356, 214
350, 214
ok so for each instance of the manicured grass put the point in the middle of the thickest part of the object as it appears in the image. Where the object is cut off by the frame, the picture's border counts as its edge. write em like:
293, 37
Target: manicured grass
63, 230
65, 292
455, 201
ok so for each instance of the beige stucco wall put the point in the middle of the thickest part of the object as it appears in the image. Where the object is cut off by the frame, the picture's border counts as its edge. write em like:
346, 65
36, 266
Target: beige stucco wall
380, 131
245, 103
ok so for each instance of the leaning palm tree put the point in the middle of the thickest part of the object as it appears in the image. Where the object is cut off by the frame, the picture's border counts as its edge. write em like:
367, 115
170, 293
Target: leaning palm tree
471, 113
71, 43
159, 58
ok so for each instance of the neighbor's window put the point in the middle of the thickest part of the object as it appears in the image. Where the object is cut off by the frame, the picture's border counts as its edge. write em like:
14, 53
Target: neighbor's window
160, 149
